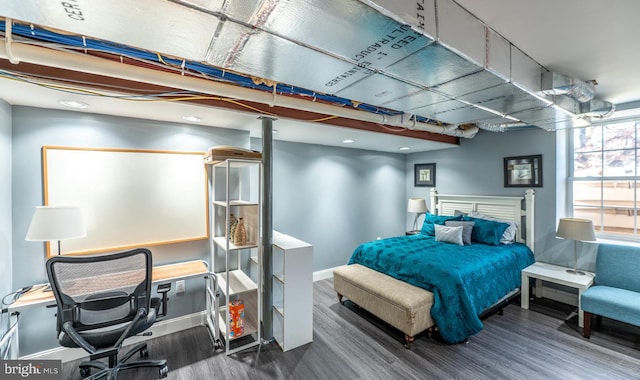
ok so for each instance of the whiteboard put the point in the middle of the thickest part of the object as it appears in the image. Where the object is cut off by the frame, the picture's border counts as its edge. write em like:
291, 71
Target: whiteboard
130, 198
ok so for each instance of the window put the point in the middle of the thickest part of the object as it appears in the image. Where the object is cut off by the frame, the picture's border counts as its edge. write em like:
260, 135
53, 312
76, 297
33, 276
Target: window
605, 177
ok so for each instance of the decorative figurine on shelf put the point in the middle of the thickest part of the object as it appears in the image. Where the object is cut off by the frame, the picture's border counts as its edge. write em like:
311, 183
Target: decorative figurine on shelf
233, 223
240, 235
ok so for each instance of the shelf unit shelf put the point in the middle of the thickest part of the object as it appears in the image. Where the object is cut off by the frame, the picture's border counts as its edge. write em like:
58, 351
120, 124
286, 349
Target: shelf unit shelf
248, 327
239, 282
221, 241
235, 202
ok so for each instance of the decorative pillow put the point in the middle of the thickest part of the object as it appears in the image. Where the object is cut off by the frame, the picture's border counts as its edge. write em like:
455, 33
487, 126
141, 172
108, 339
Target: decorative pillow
449, 234
467, 228
458, 212
486, 231
509, 235
431, 219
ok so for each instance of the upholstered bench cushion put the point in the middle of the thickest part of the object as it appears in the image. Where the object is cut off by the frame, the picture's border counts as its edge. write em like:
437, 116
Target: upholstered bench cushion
402, 305
610, 302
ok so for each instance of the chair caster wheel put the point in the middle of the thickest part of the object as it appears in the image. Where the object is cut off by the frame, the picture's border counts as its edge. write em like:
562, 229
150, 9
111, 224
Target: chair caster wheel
85, 372
164, 371
144, 353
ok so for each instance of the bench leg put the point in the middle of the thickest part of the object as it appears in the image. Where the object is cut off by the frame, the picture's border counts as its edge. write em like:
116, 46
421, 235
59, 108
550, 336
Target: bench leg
407, 341
339, 297
586, 330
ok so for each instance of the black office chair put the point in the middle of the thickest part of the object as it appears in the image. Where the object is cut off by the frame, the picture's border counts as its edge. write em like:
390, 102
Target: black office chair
103, 299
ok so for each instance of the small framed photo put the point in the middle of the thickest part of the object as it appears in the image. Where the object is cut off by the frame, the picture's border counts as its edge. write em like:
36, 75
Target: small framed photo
425, 175
523, 171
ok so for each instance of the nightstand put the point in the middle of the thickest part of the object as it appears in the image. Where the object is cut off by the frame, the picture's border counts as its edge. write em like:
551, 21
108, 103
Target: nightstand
558, 275
414, 232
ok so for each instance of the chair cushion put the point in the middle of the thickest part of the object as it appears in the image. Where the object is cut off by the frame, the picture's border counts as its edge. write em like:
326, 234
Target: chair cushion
615, 303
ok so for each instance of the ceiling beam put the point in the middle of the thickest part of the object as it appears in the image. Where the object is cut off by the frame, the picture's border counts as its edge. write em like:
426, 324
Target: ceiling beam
122, 86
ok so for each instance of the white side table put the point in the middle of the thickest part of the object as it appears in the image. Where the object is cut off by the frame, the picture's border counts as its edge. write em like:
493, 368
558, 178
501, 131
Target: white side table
558, 275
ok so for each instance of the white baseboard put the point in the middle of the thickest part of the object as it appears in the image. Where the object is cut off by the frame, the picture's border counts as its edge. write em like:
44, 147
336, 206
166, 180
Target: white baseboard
158, 329
323, 274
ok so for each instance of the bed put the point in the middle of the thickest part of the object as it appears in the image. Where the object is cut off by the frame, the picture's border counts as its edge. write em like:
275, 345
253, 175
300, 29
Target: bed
453, 283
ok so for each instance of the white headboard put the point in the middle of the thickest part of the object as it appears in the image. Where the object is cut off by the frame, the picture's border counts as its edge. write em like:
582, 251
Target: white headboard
504, 208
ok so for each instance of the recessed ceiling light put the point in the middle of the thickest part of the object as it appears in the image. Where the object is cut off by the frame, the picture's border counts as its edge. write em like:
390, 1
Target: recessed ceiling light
274, 131
73, 103
192, 118
404, 148
348, 141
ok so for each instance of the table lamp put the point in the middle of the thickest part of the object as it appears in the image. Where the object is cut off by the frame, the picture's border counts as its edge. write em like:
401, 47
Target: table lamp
576, 229
419, 206
56, 223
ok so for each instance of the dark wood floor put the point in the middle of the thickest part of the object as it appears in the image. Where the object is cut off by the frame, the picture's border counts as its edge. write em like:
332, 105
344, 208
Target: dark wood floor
541, 343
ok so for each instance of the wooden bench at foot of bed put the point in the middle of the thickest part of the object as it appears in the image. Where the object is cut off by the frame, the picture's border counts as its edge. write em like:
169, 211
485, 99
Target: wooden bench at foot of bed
402, 305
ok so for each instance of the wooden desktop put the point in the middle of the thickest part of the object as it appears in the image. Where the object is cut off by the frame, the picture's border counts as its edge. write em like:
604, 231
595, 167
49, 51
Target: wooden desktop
39, 296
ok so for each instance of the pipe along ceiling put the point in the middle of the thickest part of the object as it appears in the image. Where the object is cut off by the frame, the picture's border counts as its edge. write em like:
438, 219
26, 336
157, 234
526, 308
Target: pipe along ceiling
427, 65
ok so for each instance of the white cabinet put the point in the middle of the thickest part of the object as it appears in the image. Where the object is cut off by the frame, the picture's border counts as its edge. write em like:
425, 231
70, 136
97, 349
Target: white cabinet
235, 302
292, 291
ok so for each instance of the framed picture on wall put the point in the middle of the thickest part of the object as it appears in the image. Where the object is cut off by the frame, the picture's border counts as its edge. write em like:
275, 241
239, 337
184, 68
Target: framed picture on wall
425, 175
523, 171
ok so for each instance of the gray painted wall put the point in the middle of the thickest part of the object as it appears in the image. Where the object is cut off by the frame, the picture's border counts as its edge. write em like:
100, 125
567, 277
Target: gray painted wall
336, 198
35, 127
6, 274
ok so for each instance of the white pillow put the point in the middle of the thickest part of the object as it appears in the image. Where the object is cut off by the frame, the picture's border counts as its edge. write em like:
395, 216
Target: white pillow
449, 234
509, 235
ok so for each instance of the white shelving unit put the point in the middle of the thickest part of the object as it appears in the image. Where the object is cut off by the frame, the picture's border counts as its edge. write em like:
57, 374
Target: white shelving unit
292, 283
236, 190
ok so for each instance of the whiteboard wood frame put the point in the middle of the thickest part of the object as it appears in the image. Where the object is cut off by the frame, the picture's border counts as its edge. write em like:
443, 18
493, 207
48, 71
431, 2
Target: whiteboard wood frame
130, 197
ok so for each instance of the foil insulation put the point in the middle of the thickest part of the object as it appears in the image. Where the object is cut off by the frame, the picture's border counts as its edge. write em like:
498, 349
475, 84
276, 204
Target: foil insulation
431, 58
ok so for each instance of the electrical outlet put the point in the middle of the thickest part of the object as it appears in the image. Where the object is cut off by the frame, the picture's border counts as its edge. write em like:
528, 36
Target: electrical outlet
180, 286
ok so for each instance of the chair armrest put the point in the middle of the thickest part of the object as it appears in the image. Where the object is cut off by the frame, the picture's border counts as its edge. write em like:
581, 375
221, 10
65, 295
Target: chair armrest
79, 340
139, 314
162, 289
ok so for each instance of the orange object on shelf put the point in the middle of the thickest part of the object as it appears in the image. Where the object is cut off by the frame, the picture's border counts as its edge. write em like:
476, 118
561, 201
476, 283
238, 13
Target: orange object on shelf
236, 318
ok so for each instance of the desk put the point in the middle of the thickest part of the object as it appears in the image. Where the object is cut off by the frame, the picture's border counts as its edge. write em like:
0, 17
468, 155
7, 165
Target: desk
161, 273
558, 275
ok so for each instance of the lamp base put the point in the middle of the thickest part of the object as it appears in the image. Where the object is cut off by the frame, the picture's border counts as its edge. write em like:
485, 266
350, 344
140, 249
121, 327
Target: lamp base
575, 271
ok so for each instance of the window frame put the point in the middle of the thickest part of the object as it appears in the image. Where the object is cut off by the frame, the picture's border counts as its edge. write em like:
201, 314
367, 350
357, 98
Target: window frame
572, 179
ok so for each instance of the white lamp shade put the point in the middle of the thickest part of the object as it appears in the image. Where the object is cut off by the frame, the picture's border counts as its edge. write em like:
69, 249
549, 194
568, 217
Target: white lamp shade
56, 223
576, 229
417, 205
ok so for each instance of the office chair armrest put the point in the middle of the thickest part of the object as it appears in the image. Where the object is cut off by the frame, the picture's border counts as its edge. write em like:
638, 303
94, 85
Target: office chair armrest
79, 340
139, 314
162, 289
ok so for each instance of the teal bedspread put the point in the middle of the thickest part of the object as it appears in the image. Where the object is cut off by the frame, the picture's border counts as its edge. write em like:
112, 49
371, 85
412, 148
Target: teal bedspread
465, 280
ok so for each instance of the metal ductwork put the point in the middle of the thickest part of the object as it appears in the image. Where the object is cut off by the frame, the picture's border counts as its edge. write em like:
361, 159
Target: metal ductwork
431, 59
559, 84
597, 108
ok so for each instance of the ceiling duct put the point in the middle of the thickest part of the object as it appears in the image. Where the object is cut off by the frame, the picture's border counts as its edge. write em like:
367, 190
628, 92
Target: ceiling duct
597, 108
559, 84
431, 59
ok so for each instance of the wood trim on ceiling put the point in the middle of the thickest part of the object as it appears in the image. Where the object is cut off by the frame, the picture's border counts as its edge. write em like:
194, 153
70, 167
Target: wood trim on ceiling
106, 83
